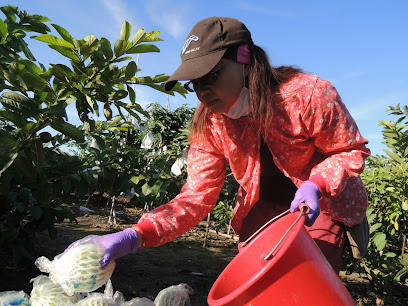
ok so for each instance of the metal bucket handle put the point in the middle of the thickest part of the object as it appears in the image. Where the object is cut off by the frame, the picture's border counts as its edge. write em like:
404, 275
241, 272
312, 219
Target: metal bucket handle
304, 209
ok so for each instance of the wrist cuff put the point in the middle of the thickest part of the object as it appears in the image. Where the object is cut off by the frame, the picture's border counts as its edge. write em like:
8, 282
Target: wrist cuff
148, 230
321, 182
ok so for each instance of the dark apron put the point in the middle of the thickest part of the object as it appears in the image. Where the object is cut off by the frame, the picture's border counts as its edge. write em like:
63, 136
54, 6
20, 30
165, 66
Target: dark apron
275, 195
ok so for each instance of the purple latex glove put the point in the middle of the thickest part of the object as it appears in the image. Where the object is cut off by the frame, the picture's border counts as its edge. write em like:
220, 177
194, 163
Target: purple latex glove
116, 245
309, 194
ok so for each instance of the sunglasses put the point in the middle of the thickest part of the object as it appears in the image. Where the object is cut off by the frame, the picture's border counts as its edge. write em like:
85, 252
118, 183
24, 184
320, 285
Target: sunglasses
206, 80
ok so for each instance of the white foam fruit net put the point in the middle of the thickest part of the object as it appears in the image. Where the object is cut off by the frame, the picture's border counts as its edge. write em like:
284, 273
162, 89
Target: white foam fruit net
14, 298
139, 302
46, 293
178, 295
76, 273
107, 298
78, 269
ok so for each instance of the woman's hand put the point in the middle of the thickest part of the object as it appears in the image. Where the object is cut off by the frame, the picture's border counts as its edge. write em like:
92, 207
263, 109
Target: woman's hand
308, 193
116, 245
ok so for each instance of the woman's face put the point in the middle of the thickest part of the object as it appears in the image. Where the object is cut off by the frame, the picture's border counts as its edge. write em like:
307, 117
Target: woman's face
220, 95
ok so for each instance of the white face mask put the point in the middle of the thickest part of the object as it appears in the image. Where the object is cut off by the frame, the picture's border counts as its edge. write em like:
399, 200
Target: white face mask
240, 107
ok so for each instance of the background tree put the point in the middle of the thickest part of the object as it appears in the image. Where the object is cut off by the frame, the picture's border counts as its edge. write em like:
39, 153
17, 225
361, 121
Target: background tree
33, 168
385, 177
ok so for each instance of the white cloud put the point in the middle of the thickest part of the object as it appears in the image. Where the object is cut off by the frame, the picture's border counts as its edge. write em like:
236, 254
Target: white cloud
367, 109
169, 15
250, 7
346, 77
117, 9
119, 12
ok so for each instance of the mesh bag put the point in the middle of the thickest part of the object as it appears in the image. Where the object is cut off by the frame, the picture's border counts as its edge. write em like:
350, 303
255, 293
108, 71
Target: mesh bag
178, 295
78, 269
8, 298
46, 293
139, 302
103, 299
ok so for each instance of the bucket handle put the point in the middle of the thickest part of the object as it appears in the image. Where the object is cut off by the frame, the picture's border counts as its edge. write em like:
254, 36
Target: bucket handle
304, 209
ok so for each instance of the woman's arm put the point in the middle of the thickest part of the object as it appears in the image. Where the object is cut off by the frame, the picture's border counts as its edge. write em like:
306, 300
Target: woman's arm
336, 137
206, 173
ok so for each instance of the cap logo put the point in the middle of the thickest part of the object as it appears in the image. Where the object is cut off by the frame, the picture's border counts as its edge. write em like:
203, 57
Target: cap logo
188, 42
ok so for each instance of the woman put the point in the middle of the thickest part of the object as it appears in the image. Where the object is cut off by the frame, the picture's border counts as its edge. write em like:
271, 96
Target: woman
287, 136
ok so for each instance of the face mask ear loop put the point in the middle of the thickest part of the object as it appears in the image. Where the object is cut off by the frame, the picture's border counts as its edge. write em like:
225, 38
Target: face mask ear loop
243, 72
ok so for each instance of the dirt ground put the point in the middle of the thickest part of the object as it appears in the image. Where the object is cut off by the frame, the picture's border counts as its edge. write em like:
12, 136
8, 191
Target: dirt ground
149, 270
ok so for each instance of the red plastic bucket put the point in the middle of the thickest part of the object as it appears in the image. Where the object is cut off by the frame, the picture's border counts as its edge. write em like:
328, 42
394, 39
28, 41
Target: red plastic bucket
296, 273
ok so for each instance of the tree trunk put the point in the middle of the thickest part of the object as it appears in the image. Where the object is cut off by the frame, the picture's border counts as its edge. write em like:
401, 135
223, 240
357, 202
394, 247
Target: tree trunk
207, 230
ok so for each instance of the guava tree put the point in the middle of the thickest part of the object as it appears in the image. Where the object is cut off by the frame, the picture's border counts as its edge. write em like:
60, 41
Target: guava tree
99, 76
119, 159
385, 177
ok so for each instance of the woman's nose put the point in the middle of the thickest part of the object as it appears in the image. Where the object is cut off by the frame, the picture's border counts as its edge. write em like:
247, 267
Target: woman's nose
203, 93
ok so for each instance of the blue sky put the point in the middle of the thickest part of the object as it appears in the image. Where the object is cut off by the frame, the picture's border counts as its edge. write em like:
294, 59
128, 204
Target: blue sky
359, 46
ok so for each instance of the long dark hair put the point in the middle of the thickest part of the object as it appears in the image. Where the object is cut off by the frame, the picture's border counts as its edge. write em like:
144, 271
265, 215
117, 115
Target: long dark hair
264, 82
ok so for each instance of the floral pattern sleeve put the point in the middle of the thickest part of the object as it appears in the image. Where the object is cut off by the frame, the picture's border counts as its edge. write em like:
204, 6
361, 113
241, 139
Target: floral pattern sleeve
336, 137
206, 173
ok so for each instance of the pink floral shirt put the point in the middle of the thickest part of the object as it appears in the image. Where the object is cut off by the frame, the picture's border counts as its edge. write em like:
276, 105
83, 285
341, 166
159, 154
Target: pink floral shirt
312, 133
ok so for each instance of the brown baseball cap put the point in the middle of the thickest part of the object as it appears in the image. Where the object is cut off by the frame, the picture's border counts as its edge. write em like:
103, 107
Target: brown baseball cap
205, 45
